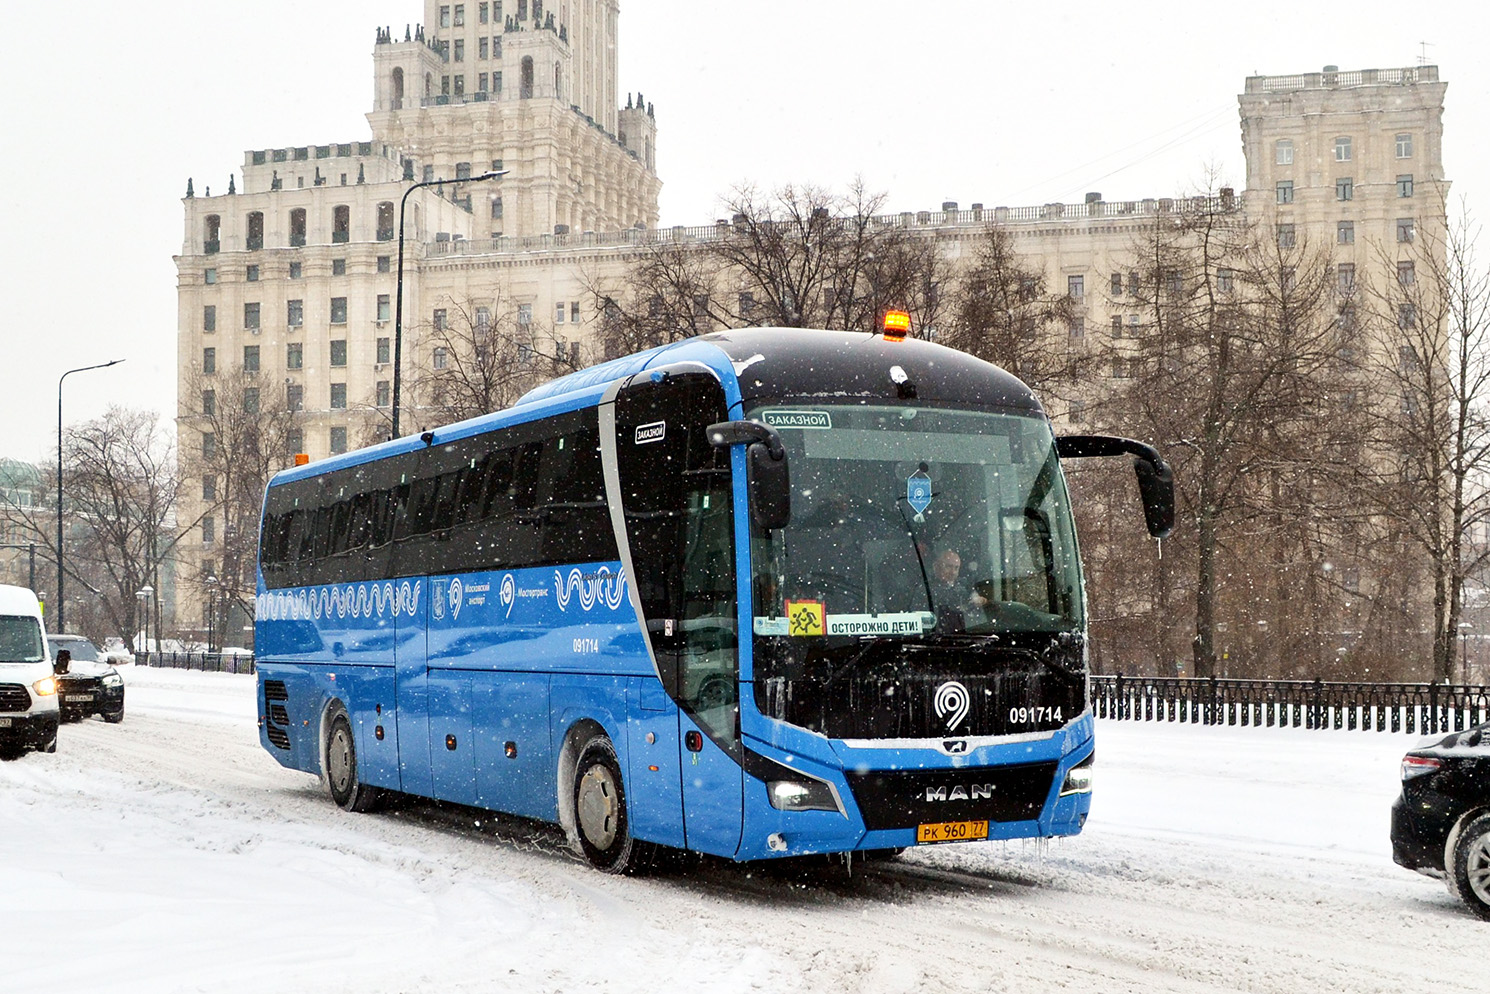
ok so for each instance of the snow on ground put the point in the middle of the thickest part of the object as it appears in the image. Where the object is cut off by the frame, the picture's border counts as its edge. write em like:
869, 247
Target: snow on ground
171, 853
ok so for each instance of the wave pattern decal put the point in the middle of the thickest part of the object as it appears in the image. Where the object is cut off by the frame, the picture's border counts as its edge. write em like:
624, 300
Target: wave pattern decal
598, 587
386, 598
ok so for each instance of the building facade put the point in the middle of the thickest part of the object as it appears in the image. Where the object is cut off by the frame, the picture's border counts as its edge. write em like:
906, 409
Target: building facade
288, 283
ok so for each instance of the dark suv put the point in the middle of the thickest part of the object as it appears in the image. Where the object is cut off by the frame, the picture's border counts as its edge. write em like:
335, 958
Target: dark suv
89, 685
1441, 823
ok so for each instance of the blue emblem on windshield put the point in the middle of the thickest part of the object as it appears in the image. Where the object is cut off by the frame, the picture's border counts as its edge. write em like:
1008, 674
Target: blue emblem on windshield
918, 491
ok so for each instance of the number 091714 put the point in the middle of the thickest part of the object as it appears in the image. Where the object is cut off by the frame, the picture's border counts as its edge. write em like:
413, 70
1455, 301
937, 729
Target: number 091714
1033, 716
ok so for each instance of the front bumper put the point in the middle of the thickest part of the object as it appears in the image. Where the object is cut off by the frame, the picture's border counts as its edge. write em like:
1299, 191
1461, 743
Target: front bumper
80, 702
31, 730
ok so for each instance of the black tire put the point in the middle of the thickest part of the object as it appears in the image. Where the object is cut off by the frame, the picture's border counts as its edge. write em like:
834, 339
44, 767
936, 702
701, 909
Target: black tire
50, 745
600, 817
349, 793
113, 717
1469, 866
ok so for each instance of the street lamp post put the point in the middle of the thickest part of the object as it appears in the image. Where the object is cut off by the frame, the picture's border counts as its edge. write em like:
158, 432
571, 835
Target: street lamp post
398, 307
1464, 628
60, 570
143, 596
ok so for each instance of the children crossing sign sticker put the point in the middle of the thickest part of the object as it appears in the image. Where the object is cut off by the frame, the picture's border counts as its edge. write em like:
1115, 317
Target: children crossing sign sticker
806, 617
918, 490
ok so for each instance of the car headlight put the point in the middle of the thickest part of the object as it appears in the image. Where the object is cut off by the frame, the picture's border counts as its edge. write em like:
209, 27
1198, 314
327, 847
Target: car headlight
113, 680
1079, 777
801, 795
45, 687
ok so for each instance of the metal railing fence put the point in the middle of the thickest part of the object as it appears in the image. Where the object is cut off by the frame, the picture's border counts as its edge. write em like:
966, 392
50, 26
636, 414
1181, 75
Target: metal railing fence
207, 662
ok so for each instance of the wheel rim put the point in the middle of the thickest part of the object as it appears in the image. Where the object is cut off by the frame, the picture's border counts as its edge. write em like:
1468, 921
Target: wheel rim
599, 807
1477, 868
339, 759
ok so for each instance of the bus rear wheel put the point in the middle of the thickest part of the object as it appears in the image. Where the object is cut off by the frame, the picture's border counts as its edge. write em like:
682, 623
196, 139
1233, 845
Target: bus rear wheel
600, 812
347, 791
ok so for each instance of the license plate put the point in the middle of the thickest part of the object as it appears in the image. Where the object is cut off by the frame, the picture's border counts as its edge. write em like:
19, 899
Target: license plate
951, 831
5, 722
76, 698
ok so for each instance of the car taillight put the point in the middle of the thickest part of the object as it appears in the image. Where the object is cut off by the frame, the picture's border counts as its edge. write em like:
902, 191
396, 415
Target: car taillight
1416, 766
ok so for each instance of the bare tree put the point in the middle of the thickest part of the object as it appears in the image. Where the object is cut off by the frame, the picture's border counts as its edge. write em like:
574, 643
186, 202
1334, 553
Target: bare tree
1431, 372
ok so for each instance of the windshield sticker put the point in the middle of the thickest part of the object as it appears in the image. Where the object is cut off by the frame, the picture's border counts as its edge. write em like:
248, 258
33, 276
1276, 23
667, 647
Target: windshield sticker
654, 432
814, 420
772, 626
918, 490
806, 617
876, 624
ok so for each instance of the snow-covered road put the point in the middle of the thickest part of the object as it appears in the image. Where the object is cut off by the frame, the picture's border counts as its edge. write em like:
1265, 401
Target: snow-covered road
171, 853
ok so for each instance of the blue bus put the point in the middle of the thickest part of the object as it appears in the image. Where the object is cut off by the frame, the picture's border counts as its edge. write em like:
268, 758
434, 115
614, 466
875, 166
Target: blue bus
761, 593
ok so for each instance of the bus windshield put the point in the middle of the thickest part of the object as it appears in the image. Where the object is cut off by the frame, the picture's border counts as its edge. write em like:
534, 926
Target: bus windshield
915, 520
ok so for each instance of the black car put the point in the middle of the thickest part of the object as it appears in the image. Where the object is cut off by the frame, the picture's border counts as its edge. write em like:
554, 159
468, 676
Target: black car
1441, 823
89, 685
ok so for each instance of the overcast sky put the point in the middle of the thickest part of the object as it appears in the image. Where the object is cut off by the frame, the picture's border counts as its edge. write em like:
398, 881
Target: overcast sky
112, 106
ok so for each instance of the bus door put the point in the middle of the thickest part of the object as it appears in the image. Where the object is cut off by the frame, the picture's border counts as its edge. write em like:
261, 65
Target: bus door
411, 659
678, 503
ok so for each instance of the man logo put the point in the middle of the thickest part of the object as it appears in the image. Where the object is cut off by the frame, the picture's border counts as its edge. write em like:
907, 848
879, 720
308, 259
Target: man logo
654, 432
952, 702
955, 747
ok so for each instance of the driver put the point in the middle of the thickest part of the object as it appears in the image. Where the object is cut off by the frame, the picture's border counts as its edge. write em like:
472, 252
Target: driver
950, 595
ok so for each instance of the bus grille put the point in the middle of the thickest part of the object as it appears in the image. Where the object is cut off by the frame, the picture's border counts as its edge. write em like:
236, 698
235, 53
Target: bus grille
14, 697
907, 798
276, 714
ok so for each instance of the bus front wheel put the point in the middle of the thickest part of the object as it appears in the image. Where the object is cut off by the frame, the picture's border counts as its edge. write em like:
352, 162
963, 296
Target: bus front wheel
600, 812
347, 791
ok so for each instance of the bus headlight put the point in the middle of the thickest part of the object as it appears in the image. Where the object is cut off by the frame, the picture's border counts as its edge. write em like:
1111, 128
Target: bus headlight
801, 795
45, 687
1079, 777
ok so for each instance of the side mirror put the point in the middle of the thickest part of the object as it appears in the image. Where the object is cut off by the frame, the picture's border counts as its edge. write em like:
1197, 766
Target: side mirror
770, 480
62, 663
1155, 478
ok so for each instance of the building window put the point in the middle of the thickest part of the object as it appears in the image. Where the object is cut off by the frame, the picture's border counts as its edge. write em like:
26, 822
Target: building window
460, 81
460, 15
209, 488
1345, 233
385, 263
255, 239
481, 79
483, 13
250, 358
1285, 191
525, 83
574, 312
1117, 326
382, 352
295, 396
1225, 280
296, 270
440, 319
338, 396
559, 312
209, 403
441, 358
1286, 236
747, 304
460, 56
209, 361
385, 307
338, 267
338, 352
1283, 153
1133, 283
209, 445
1077, 327
338, 310
209, 317
297, 227
1122, 368
462, 170
295, 313
209, 530
429, 174
1342, 149
250, 400
209, 276
524, 354
1345, 277
1344, 188
341, 224
444, 86
212, 242
524, 314
483, 51
1407, 317
1117, 284
496, 77
1404, 186
338, 441
294, 441
294, 355
1404, 146
1405, 229
1078, 411
1134, 321
384, 394
251, 317
496, 208
483, 320
252, 274
1075, 287
1406, 273
445, 17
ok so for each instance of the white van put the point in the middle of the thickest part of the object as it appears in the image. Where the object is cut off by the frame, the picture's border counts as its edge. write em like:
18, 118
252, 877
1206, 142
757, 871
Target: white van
28, 687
